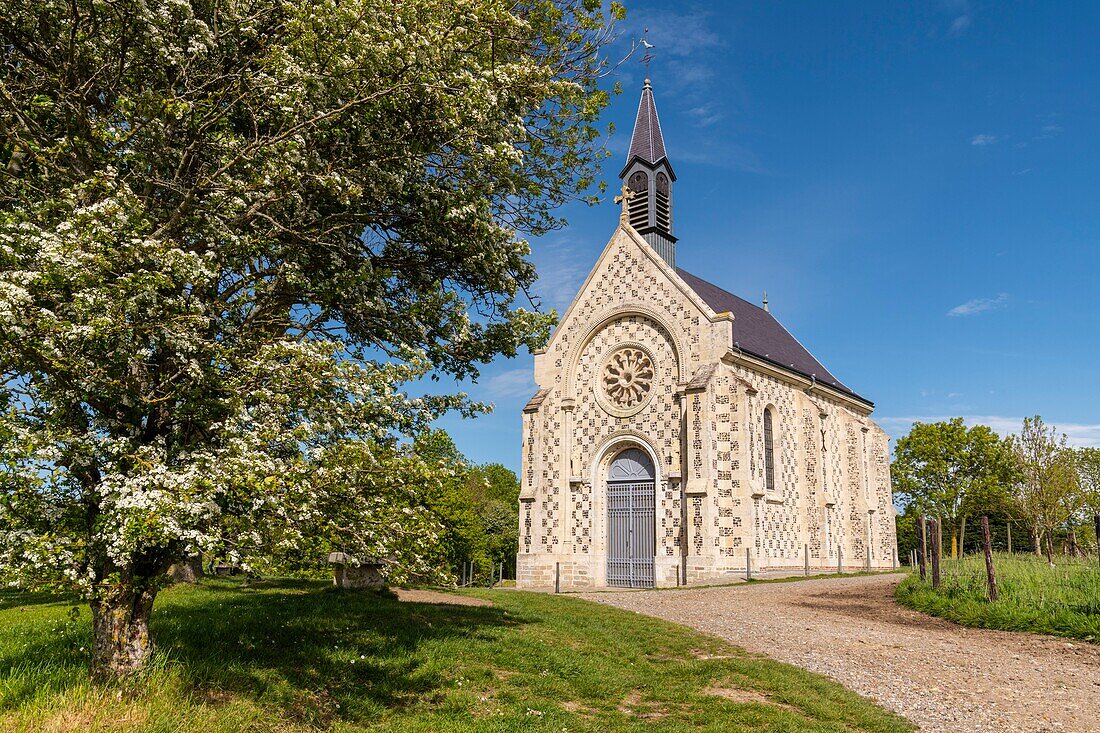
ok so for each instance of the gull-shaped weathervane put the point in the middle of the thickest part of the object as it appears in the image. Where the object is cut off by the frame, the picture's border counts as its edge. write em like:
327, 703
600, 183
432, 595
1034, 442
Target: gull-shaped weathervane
648, 56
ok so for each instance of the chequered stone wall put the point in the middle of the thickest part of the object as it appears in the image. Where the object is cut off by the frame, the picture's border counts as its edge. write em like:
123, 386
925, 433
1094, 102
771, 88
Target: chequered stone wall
704, 427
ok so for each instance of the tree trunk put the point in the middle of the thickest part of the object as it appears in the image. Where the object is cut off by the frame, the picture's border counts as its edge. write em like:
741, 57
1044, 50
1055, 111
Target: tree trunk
1050, 547
188, 570
1035, 542
120, 627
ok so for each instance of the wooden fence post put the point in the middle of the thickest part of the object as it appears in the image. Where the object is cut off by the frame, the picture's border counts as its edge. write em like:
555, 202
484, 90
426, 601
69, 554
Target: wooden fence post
990, 574
922, 546
806, 558
557, 577
1096, 520
748, 564
1009, 526
937, 547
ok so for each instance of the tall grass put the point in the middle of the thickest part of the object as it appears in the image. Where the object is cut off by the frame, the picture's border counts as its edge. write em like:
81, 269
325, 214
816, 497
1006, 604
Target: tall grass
1033, 596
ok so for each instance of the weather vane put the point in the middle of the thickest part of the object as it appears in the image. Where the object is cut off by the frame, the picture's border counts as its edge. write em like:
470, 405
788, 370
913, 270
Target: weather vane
648, 56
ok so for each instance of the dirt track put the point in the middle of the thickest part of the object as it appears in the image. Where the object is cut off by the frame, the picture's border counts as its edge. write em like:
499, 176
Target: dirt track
941, 676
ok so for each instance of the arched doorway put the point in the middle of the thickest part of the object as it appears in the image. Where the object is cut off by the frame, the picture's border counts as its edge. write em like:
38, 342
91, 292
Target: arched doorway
631, 520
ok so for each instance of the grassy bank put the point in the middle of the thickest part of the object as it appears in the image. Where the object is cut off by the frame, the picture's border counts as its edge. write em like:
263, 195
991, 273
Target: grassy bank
297, 656
1063, 600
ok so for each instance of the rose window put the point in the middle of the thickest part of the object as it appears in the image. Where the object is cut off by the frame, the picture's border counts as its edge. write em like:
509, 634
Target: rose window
628, 377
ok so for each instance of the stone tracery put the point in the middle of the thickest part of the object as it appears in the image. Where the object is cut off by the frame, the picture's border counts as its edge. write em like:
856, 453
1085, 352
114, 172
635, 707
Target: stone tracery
628, 377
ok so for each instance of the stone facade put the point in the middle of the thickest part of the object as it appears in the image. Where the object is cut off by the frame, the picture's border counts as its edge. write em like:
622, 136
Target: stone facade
640, 360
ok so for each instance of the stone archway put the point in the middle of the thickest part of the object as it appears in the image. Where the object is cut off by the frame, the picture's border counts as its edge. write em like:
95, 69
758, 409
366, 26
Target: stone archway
631, 519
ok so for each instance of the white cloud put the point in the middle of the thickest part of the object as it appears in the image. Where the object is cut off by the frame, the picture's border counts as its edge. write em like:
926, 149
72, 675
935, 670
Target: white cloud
1079, 435
983, 140
979, 305
1049, 131
705, 115
959, 25
511, 384
960, 12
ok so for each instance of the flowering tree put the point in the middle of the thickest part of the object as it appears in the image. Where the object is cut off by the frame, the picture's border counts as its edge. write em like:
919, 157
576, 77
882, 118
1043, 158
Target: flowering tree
229, 233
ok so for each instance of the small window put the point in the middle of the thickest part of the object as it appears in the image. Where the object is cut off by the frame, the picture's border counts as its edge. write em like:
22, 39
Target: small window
769, 451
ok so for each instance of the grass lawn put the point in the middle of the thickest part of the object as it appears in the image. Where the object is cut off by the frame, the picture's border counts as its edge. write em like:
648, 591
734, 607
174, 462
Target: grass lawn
299, 656
1063, 600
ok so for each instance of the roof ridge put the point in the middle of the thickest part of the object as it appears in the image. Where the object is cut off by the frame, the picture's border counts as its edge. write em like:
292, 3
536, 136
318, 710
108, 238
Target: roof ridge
766, 338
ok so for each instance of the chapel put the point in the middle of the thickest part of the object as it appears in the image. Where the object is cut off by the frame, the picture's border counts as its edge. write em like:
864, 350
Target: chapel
681, 434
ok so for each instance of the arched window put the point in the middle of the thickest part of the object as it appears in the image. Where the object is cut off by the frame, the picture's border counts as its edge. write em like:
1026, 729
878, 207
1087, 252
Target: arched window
769, 450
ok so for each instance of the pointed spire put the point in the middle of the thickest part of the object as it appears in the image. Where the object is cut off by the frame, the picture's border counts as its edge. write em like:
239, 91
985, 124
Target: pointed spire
649, 175
647, 144
766, 302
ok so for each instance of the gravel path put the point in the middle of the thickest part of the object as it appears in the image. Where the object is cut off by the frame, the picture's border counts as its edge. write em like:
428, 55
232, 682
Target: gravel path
941, 676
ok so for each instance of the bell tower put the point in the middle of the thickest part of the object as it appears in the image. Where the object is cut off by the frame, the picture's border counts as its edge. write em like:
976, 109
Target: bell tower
649, 176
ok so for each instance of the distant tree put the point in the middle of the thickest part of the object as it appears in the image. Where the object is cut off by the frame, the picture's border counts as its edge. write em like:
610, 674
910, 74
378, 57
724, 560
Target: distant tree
231, 231
477, 507
1048, 493
1088, 476
1088, 479
905, 525
452, 502
948, 470
501, 512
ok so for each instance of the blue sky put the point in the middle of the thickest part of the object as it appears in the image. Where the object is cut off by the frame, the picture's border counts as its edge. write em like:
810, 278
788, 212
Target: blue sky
916, 187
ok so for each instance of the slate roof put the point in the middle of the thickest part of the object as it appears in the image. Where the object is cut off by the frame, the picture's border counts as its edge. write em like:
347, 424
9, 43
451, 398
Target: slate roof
647, 142
756, 332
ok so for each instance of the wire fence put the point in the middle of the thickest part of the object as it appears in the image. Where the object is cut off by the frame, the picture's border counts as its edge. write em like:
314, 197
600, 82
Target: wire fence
1070, 584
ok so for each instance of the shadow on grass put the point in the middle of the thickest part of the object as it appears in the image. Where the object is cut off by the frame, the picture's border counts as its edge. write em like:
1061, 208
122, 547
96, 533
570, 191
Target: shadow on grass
305, 647
314, 653
18, 598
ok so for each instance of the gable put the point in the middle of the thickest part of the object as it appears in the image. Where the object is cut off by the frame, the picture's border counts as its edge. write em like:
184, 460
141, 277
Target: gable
630, 277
